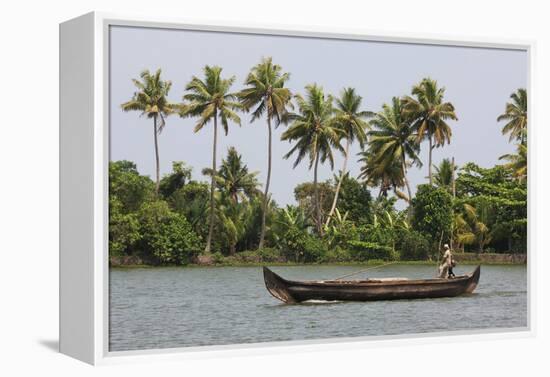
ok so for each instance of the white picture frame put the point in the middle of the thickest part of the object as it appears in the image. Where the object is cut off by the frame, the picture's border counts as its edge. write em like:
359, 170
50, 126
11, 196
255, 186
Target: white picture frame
84, 157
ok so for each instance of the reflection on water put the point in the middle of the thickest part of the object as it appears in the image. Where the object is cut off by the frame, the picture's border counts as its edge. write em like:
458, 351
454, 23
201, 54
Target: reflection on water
179, 307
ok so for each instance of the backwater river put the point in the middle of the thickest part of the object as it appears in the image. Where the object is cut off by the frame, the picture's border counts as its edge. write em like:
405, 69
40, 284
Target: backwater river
197, 306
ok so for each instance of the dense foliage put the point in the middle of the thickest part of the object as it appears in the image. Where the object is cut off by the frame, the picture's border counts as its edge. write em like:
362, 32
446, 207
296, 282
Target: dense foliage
165, 235
172, 228
499, 201
229, 215
432, 213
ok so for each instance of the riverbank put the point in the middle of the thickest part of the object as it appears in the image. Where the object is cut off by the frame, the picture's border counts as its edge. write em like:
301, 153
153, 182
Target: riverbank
235, 261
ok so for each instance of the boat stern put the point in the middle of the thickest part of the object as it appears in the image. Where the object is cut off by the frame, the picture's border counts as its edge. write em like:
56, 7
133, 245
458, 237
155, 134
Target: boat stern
473, 280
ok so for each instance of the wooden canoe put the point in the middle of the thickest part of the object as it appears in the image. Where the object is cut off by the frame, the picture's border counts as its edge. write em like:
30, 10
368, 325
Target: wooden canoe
290, 291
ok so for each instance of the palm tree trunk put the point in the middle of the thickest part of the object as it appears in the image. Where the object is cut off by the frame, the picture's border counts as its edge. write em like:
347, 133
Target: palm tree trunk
440, 242
404, 168
342, 173
430, 161
212, 184
316, 191
266, 192
157, 186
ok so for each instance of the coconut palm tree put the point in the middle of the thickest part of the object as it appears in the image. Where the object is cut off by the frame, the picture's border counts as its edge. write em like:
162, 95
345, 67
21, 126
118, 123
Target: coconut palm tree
209, 100
386, 176
233, 217
233, 178
315, 136
429, 113
150, 99
516, 115
351, 120
392, 140
517, 163
266, 93
443, 176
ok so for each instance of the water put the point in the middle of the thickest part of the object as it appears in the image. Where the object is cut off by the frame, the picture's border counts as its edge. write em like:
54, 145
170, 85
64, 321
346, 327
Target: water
180, 307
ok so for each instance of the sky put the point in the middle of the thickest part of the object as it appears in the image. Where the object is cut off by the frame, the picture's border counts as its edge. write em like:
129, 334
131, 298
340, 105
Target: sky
478, 82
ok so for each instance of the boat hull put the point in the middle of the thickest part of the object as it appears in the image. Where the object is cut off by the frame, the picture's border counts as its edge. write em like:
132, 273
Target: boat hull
290, 291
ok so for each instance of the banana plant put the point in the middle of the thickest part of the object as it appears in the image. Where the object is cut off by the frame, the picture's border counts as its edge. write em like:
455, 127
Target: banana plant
471, 226
337, 232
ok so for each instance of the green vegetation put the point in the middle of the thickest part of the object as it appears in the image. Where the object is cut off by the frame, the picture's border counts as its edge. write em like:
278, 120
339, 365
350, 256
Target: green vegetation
516, 117
392, 141
433, 214
150, 99
315, 135
428, 114
228, 217
350, 119
266, 92
210, 99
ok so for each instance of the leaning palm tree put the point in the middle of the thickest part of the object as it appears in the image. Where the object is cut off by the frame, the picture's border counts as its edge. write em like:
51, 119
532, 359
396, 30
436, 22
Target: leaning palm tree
315, 136
429, 114
266, 92
392, 140
516, 115
210, 99
385, 176
233, 178
351, 120
150, 99
517, 163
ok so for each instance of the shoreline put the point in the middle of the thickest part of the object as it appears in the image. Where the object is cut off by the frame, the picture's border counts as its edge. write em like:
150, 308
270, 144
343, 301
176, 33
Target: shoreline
293, 264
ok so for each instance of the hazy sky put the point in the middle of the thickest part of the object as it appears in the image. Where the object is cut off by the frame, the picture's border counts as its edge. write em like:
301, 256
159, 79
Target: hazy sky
477, 81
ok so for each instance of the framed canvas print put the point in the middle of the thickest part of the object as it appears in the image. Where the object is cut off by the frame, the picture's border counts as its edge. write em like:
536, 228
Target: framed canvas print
225, 187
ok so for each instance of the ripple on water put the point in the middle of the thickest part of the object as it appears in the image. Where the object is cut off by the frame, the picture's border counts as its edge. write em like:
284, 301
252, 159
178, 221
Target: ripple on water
180, 307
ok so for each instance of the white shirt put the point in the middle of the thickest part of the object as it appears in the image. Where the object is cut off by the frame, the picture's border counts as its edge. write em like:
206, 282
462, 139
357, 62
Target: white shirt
447, 257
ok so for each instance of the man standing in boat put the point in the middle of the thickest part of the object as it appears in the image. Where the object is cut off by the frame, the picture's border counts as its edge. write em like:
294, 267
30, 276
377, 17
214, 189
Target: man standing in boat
446, 267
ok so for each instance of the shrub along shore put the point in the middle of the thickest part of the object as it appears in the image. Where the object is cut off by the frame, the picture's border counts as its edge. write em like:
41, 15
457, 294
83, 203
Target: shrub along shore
249, 260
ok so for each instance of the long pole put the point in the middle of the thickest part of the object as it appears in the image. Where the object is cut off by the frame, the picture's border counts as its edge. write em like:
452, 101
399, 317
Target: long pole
366, 269
453, 187
453, 177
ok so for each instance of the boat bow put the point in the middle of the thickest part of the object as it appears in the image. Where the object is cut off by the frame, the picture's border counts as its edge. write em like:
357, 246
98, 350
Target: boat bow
277, 286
